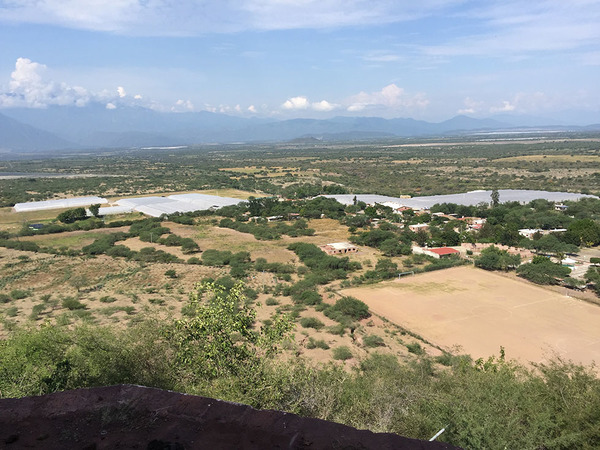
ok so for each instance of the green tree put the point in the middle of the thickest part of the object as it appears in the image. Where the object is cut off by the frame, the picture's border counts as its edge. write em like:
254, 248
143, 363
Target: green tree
543, 271
495, 198
217, 338
95, 209
492, 258
72, 215
585, 231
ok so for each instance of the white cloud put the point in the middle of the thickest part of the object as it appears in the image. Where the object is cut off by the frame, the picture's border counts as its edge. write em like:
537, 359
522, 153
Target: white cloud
111, 106
390, 97
121, 91
28, 87
296, 103
515, 29
323, 105
187, 17
382, 56
182, 106
137, 97
302, 103
471, 106
252, 109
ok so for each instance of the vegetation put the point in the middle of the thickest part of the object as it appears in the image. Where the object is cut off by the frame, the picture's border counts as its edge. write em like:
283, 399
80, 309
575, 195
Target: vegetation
543, 271
480, 403
492, 258
217, 347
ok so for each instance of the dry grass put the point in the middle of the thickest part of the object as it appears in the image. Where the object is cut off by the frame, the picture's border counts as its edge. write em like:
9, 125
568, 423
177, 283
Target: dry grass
553, 158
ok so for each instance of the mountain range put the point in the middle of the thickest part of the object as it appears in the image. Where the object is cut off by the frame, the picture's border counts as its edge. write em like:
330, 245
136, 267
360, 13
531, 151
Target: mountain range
94, 126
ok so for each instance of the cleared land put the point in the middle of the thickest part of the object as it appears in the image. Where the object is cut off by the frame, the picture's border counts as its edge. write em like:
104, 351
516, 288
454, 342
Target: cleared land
481, 311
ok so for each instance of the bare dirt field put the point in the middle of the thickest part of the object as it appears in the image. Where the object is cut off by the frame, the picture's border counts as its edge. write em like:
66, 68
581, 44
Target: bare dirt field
481, 311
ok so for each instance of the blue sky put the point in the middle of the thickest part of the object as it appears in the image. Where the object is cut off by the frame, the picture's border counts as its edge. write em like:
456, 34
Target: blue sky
306, 58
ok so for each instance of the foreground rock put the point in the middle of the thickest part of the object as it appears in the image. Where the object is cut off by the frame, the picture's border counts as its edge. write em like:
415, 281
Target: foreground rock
146, 418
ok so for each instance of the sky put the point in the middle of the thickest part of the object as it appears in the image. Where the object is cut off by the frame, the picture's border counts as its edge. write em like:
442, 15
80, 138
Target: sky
429, 60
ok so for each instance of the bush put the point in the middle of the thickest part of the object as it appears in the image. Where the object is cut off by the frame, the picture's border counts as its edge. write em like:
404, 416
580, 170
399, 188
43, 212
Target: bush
342, 353
107, 299
271, 301
19, 294
311, 322
347, 309
194, 260
415, 348
373, 341
72, 304
314, 343
171, 273
36, 310
5, 298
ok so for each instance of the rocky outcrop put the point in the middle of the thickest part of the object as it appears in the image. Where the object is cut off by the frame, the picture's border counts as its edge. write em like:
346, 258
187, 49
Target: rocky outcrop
123, 417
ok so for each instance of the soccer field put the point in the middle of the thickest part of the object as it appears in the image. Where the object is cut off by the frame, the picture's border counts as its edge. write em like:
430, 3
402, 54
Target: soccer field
481, 311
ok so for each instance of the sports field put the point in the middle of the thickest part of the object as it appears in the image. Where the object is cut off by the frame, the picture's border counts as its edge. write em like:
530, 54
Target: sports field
481, 311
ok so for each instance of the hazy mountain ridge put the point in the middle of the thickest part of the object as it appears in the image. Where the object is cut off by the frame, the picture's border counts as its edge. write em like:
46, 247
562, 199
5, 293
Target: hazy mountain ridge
30, 130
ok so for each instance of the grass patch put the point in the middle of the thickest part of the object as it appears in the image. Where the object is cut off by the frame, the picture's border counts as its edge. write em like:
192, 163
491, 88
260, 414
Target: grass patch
72, 304
415, 348
13, 311
311, 322
317, 343
372, 341
342, 353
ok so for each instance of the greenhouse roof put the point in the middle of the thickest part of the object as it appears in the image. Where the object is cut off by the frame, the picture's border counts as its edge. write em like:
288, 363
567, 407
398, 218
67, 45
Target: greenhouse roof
59, 203
467, 198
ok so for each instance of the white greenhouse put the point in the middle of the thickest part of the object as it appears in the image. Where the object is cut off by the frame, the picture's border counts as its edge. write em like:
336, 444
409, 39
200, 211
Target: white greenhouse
60, 203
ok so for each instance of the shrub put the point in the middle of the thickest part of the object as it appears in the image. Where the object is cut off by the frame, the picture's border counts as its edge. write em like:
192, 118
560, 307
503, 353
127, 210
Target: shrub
373, 341
314, 343
415, 348
347, 309
171, 273
107, 299
311, 322
271, 301
157, 301
338, 329
194, 260
5, 298
310, 298
18, 294
36, 310
71, 303
342, 353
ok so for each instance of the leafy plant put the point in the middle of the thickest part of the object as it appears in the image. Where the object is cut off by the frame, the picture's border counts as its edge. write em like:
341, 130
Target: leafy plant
342, 353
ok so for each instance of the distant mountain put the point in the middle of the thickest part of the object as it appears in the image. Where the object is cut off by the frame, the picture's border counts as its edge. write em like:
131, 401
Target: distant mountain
17, 136
95, 126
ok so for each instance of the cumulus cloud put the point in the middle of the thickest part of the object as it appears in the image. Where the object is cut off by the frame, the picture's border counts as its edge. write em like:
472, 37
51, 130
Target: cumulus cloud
111, 106
121, 91
182, 106
296, 103
390, 97
302, 103
29, 87
471, 106
506, 107
252, 109
323, 105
